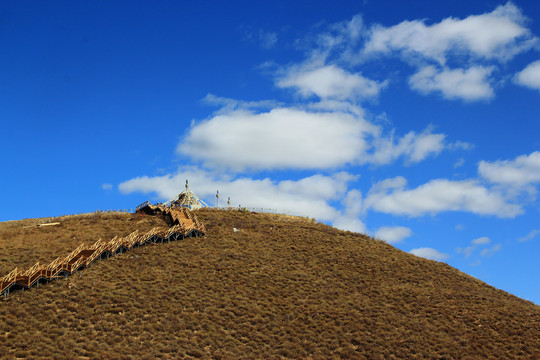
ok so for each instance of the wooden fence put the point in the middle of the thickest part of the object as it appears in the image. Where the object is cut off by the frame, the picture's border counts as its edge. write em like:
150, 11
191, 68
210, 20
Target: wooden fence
184, 224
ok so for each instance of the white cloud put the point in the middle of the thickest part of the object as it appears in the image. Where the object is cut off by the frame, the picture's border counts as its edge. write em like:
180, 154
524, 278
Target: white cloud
227, 104
490, 251
309, 196
460, 49
353, 203
460, 145
474, 244
414, 147
324, 135
350, 224
337, 106
499, 35
530, 235
530, 76
352, 29
481, 241
106, 186
520, 172
393, 234
467, 84
267, 39
352, 209
429, 253
477, 243
459, 163
390, 196
467, 252
344, 35
329, 82
281, 138
459, 227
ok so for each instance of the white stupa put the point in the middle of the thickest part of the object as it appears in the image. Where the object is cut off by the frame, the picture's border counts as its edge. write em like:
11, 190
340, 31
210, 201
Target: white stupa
187, 199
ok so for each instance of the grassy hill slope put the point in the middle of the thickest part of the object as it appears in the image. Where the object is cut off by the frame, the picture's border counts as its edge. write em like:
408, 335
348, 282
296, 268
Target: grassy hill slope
276, 287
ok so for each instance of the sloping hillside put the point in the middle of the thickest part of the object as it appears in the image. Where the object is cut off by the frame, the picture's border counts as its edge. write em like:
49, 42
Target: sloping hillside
257, 286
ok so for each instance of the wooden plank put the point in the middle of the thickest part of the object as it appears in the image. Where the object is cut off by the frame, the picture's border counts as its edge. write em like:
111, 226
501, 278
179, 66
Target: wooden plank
184, 223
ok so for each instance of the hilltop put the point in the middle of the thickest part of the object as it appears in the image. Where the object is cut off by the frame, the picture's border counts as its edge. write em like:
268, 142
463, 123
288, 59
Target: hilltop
256, 286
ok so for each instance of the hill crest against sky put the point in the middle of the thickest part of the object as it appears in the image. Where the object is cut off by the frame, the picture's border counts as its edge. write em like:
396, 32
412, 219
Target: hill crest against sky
412, 121
277, 286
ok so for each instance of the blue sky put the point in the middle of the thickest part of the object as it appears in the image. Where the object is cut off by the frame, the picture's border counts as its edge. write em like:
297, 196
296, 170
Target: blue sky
415, 122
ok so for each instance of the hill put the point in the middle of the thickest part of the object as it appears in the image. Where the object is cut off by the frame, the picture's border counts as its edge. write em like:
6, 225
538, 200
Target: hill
256, 286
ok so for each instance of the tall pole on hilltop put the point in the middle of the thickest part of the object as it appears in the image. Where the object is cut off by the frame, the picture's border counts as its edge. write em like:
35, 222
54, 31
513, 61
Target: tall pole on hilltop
217, 199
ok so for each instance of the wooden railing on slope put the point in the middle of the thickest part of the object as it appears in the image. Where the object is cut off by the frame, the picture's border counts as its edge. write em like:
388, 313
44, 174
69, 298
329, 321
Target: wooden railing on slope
185, 224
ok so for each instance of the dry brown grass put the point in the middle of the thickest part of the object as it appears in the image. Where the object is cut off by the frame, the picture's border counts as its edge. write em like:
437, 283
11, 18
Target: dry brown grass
280, 287
23, 242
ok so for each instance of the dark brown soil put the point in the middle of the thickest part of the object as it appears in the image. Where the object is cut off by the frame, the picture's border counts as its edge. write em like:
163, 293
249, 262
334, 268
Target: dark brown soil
278, 287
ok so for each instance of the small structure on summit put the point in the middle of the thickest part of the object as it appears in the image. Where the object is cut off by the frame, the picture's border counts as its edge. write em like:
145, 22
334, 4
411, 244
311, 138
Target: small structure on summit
188, 199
